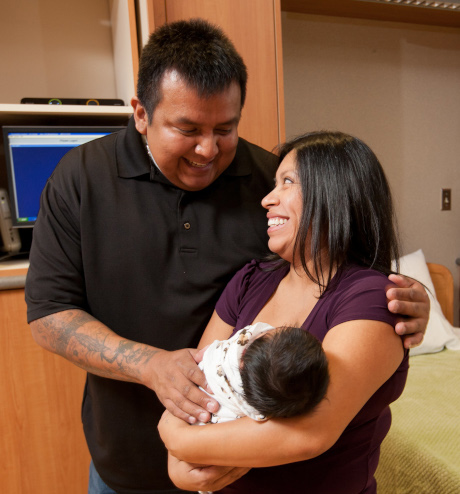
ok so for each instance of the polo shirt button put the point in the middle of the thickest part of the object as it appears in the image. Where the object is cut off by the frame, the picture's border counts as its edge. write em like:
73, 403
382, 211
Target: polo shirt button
187, 226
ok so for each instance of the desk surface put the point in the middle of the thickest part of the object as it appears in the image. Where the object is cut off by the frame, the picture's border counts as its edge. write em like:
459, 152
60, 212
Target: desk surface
13, 268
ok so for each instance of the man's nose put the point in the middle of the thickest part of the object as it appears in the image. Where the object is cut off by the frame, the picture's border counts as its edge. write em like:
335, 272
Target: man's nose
207, 147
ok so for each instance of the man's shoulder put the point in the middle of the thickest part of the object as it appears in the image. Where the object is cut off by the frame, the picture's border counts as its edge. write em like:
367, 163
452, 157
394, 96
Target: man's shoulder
91, 150
243, 143
259, 157
95, 160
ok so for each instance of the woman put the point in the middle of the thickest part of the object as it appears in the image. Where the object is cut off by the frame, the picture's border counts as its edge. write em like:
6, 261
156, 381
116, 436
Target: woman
331, 229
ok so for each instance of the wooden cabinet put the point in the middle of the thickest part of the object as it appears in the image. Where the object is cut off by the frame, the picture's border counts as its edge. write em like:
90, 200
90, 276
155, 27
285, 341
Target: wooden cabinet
42, 445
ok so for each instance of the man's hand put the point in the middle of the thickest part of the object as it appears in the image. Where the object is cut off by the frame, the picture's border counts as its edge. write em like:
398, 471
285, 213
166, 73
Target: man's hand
409, 299
192, 477
174, 378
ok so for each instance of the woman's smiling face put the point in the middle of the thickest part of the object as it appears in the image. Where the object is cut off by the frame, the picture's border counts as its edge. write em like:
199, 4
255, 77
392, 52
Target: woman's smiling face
284, 206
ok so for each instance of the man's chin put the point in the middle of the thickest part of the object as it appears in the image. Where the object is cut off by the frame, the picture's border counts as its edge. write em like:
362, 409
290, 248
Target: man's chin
194, 184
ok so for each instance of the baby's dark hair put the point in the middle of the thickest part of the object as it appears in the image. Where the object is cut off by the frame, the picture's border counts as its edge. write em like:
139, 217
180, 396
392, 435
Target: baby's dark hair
284, 372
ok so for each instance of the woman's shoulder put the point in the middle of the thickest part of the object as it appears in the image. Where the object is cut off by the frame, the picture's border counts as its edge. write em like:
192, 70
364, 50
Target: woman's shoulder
254, 272
254, 276
249, 285
357, 278
359, 293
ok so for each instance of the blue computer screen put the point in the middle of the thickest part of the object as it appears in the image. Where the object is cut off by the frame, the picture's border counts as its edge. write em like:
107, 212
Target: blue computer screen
31, 156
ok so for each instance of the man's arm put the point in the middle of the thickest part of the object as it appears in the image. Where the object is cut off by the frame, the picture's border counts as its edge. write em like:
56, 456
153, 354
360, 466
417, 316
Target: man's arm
85, 341
409, 299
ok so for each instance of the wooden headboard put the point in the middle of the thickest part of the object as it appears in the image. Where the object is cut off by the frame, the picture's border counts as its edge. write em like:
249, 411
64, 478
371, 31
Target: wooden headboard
443, 282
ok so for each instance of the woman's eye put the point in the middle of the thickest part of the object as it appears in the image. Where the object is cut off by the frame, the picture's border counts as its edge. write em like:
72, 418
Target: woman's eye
288, 180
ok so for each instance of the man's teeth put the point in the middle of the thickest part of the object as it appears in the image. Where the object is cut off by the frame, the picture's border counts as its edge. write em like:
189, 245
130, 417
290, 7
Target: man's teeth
199, 165
276, 221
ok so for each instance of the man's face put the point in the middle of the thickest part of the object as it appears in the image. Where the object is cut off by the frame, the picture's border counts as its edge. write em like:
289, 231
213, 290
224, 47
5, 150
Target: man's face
193, 139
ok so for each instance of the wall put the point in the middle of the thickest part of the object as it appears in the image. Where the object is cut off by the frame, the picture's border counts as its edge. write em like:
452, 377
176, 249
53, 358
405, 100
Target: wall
51, 48
396, 86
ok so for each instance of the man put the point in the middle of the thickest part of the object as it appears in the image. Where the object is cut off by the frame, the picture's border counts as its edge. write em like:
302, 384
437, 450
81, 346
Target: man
137, 235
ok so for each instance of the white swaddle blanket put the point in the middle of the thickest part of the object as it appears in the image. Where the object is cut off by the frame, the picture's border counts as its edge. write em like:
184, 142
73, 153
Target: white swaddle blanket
221, 366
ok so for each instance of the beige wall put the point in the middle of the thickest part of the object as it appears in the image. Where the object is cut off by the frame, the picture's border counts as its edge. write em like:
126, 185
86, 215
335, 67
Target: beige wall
52, 48
397, 87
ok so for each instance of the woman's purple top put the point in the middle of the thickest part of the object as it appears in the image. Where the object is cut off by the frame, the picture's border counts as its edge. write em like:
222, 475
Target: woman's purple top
349, 466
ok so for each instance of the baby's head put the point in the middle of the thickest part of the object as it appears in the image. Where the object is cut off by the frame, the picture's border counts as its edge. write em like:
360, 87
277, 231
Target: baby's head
284, 372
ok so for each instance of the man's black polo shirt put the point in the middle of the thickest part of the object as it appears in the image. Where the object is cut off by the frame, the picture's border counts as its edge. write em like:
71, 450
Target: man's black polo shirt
115, 238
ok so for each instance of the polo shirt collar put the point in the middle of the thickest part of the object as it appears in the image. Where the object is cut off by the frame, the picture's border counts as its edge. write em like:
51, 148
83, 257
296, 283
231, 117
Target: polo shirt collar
134, 161
132, 158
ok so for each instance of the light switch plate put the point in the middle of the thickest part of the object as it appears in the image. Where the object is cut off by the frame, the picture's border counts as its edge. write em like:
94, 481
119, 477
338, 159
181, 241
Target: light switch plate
446, 199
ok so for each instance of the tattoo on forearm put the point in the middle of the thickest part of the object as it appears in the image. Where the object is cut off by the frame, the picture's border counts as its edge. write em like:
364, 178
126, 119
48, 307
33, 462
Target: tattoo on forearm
68, 335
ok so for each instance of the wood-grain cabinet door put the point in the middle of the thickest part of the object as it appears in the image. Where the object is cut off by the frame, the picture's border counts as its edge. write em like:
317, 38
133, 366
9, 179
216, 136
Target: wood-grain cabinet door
42, 444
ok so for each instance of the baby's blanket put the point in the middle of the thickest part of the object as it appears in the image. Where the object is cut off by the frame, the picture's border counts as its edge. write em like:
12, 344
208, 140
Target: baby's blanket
221, 366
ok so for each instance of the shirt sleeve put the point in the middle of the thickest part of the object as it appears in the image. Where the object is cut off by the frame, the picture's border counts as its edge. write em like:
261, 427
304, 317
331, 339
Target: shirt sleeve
228, 305
55, 280
362, 298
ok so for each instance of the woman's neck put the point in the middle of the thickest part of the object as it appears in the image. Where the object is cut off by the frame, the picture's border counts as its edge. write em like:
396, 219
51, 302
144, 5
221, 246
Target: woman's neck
298, 275
292, 301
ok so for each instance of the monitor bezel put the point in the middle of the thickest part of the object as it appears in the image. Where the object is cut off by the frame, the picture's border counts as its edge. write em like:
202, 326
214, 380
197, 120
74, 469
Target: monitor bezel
6, 129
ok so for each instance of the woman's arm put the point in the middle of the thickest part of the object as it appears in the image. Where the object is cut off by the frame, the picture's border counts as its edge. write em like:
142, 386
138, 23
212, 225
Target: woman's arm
192, 476
362, 355
216, 329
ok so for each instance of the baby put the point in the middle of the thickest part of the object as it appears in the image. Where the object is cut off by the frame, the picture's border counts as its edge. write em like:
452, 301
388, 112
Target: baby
265, 372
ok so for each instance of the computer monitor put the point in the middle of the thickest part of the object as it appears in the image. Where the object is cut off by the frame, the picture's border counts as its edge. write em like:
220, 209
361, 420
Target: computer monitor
31, 155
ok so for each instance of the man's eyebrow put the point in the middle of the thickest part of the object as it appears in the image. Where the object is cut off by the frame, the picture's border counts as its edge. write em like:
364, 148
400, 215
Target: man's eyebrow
186, 121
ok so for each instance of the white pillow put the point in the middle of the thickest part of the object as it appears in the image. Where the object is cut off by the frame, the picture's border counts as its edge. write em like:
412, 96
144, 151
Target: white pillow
439, 332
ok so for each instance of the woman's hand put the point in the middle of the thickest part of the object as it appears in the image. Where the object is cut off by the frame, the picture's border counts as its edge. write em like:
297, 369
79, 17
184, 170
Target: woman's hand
409, 299
190, 476
193, 477
171, 428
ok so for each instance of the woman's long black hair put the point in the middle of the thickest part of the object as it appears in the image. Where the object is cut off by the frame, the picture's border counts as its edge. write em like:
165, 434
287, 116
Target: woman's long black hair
346, 205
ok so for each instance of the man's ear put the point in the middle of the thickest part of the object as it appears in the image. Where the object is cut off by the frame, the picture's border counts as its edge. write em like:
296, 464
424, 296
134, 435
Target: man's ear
141, 118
